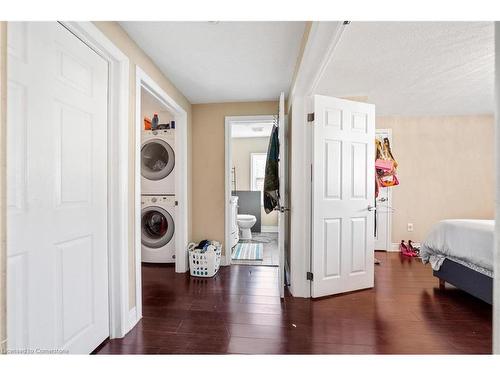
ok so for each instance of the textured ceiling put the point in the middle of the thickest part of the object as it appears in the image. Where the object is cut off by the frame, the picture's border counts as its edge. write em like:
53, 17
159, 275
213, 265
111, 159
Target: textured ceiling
415, 68
222, 61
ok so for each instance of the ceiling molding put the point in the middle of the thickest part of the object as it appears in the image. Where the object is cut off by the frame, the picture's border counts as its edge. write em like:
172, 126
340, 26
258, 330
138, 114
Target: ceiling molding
320, 47
328, 56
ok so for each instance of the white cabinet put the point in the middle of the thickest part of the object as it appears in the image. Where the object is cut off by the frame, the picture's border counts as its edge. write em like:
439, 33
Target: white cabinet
234, 225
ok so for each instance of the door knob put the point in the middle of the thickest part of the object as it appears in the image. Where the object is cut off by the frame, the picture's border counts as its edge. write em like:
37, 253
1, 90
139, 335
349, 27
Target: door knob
283, 209
372, 208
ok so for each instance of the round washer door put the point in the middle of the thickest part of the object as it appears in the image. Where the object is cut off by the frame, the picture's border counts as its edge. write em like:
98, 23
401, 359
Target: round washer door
157, 159
157, 227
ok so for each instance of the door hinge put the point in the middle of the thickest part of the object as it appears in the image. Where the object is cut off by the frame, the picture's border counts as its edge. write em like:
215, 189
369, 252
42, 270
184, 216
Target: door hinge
309, 276
176, 203
311, 172
310, 117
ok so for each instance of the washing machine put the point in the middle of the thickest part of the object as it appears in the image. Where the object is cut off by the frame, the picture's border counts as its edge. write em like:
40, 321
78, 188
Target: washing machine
158, 162
158, 228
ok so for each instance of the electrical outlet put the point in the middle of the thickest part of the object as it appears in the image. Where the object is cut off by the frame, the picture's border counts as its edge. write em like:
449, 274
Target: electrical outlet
410, 227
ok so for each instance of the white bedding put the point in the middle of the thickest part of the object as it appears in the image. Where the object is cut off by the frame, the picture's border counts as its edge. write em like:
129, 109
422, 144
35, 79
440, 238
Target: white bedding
469, 242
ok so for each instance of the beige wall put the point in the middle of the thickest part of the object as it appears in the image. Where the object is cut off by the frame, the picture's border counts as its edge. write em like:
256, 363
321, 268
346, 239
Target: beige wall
242, 149
3, 102
446, 170
138, 58
208, 163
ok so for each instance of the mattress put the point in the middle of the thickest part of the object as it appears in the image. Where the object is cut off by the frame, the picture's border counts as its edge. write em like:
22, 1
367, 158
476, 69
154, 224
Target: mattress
468, 242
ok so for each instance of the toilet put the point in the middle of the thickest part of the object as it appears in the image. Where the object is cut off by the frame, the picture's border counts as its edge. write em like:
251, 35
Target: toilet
245, 223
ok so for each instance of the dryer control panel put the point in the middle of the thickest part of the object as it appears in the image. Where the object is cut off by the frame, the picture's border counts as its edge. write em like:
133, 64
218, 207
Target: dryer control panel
160, 200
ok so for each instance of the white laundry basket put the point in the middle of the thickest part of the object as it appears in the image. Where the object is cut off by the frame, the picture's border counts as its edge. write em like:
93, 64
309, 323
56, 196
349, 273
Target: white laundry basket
204, 264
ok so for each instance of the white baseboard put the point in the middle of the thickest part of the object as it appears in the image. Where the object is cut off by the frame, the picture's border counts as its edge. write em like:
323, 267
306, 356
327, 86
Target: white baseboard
133, 319
3, 347
268, 229
395, 246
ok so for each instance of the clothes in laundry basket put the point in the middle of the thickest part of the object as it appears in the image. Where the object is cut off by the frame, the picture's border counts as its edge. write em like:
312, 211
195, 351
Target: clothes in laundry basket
206, 245
202, 244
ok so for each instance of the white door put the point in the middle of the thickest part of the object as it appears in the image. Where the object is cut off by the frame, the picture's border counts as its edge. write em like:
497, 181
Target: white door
343, 189
57, 270
282, 192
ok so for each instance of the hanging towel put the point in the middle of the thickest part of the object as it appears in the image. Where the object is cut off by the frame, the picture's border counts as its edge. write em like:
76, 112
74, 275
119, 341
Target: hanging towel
271, 178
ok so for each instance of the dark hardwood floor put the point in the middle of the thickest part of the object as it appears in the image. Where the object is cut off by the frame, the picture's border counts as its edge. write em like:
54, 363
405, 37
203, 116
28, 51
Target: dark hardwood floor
239, 311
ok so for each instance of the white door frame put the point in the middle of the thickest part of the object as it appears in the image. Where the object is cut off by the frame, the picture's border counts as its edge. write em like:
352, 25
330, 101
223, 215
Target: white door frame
228, 122
496, 265
143, 80
389, 244
118, 173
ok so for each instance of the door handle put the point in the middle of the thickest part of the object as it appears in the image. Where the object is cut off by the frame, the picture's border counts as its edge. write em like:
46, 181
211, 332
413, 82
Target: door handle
282, 209
372, 208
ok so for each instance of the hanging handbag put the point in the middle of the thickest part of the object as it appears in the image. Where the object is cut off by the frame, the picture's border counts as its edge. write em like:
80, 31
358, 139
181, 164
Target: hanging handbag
384, 165
388, 180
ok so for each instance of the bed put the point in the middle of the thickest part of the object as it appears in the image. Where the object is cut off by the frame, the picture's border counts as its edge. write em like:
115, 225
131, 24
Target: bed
461, 253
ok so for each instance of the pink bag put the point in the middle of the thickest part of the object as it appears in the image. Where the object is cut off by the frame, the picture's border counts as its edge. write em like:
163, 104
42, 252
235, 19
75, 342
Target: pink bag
388, 180
385, 165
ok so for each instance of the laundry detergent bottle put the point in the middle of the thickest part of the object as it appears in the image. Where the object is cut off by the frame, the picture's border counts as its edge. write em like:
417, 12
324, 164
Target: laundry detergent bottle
155, 121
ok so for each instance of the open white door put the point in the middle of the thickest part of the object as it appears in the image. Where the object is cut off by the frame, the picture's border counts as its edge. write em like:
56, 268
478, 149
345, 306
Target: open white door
343, 177
57, 246
282, 191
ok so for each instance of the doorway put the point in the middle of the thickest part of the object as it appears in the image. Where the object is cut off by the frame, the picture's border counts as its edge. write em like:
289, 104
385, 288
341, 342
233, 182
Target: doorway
279, 188
161, 215
253, 233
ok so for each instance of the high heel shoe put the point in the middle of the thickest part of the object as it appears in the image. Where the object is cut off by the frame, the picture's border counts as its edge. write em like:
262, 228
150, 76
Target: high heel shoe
406, 249
415, 252
403, 248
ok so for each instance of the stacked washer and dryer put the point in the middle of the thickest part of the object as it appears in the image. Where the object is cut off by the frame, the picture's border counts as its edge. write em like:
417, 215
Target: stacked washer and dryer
158, 196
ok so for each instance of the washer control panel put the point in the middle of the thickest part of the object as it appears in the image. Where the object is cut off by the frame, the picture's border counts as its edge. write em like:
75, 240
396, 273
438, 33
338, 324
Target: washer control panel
168, 133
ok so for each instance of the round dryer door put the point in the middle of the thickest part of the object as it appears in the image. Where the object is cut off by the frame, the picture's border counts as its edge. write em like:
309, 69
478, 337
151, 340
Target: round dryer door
157, 227
157, 159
